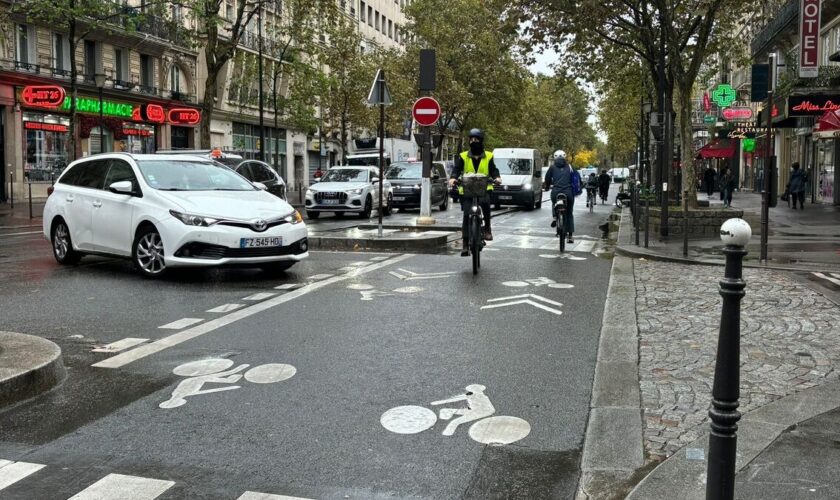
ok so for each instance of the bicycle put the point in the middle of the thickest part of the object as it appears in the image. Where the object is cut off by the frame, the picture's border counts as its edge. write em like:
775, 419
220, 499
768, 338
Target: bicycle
590, 199
560, 219
475, 187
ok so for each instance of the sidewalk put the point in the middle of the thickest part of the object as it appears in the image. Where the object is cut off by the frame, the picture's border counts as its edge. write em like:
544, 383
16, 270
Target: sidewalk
806, 239
789, 386
17, 217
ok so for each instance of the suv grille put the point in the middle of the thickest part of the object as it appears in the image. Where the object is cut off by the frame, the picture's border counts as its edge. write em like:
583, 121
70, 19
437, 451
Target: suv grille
341, 197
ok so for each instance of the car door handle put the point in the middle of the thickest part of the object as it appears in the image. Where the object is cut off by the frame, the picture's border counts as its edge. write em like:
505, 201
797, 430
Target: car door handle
69, 199
97, 203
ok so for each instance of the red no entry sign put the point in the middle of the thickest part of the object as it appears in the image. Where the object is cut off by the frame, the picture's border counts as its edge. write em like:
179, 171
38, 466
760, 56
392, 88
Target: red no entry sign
426, 111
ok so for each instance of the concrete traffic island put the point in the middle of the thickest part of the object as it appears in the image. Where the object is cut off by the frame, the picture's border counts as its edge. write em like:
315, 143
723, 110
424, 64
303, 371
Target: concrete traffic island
29, 365
395, 237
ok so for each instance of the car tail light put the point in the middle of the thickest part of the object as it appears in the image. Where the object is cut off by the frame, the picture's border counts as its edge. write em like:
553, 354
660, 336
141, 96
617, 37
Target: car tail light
50, 190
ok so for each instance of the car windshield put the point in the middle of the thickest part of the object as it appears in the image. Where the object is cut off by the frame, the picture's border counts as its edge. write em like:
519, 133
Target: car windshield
512, 166
191, 175
404, 170
347, 175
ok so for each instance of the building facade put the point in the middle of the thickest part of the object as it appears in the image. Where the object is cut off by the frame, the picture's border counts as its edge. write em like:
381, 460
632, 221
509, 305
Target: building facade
146, 100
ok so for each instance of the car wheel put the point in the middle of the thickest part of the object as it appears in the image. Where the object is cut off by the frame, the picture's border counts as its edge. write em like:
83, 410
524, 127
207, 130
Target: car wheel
539, 200
147, 253
386, 210
445, 204
277, 267
312, 215
63, 245
365, 213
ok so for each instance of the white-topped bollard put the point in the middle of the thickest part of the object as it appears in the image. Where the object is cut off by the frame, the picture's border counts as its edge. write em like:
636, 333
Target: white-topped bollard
723, 440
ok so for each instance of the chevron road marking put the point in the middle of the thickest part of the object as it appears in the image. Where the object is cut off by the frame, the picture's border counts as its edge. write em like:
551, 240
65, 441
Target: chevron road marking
526, 299
834, 278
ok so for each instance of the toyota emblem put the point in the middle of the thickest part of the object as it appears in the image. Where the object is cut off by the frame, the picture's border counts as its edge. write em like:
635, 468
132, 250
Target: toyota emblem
259, 225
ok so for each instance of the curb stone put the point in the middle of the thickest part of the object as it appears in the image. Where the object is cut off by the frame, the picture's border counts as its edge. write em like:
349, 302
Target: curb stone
29, 365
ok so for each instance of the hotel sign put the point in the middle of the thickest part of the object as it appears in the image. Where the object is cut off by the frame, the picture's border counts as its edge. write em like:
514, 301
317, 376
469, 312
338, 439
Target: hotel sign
809, 38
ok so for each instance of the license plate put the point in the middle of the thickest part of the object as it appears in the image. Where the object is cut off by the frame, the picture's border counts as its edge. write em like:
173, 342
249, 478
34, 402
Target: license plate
505, 197
275, 241
330, 202
399, 198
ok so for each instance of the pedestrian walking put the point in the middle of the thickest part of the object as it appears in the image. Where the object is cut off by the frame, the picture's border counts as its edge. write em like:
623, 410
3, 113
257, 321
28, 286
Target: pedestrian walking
709, 180
727, 186
796, 186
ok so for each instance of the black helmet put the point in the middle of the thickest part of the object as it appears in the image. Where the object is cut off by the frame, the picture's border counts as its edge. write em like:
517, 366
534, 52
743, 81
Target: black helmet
477, 132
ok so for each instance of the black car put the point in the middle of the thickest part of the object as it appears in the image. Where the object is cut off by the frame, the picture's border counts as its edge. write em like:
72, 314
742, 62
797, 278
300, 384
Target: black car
405, 179
258, 171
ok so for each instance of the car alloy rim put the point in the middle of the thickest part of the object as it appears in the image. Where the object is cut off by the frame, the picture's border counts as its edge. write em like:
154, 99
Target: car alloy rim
150, 253
60, 241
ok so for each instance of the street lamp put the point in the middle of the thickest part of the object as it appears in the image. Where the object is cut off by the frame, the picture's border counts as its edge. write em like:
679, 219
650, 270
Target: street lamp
99, 78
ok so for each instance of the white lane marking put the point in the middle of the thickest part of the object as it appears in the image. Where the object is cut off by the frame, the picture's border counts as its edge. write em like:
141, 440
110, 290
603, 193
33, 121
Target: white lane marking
127, 357
181, 323
120, 345
380, 258
585, 246
23, 234
360, 286
319, 277
409, 275
836, 275
260, 296
408, 289
225, 308
253, 495
827, 278
288, 286
12, 472
119, 487
526, 299
270, 373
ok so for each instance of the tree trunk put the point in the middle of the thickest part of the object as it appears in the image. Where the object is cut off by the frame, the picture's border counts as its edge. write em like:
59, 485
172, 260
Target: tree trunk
343, 140
208, 105
689, 178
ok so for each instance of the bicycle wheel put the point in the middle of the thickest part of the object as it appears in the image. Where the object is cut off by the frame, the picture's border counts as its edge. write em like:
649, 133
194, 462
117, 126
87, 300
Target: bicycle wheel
591, 204
475, 243
561, 224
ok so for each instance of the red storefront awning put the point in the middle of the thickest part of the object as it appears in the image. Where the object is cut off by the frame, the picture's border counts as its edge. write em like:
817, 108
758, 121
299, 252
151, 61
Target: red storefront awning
717, 149
830, 120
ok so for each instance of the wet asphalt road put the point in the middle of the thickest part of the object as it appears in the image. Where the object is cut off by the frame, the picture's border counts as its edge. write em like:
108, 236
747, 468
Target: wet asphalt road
362, 337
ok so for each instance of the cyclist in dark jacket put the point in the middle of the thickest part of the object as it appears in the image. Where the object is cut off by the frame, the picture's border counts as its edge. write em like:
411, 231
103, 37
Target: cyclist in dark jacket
604, 184
559, 180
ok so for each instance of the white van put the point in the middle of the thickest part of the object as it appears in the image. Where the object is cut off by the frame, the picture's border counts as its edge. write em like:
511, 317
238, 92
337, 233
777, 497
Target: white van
521, 171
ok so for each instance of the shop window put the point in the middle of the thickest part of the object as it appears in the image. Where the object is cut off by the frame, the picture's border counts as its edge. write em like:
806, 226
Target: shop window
107, 138
46, 139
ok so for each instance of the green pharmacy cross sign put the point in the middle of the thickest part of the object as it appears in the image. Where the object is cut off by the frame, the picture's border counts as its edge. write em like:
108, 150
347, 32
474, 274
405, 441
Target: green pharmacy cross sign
724, 95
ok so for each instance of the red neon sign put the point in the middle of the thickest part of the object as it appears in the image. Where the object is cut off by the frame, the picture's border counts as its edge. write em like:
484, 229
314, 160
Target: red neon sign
737, 114
43, 95
153, 113
49, 127
707, 103
137, 132
184, 116
810, 107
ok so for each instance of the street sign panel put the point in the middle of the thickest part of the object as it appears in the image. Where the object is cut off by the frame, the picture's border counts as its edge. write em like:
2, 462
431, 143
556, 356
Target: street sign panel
426, 111
379, 93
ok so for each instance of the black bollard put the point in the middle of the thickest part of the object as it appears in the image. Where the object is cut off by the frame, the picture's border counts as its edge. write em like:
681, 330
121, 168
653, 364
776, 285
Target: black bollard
30, 198
720, 472
685, 223
647, 220
636, 193
12, 189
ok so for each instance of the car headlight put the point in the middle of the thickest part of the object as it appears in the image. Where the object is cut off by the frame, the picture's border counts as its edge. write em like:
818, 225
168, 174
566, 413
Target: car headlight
193, 220
417, 187
310, 192
294, 218
526, 185
356, 191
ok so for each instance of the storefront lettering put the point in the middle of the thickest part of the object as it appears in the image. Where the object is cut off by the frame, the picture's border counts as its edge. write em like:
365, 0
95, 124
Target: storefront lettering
85, 105
812, 108
184, 116
49, 127
737, 114
43, 95
137, 132
152, 113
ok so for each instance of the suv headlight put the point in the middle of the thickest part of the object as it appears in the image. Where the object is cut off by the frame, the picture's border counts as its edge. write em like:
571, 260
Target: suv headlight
294, 217
193, 220
310, 192
356, 191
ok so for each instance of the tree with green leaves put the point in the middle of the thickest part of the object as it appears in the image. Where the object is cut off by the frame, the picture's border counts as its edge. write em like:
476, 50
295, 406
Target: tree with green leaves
78, 19
603, 35
618, 112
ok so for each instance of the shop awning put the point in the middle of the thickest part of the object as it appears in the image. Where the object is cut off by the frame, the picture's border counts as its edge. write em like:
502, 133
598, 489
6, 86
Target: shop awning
718, 148
828, 125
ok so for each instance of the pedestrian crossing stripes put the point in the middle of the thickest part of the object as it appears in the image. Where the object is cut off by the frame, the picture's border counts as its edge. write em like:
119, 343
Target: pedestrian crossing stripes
830, 277
112, 486
540, 243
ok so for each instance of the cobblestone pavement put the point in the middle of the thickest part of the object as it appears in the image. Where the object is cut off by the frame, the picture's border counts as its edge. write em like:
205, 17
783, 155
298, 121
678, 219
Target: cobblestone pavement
790, 340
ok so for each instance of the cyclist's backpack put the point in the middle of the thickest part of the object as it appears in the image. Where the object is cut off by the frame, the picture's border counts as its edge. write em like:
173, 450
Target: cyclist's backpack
576, 182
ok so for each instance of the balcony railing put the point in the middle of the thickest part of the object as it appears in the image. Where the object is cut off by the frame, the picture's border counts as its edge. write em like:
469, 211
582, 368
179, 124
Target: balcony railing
123, 85
780, 21
181, 96
133, 19
64, 73
146, 89
26, 66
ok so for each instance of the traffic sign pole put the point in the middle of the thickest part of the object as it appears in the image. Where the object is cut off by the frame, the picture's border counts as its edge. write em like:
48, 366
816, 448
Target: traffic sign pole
426, 111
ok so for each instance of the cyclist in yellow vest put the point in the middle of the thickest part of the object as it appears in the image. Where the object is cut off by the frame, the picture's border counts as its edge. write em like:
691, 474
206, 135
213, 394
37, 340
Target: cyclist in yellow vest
468, 162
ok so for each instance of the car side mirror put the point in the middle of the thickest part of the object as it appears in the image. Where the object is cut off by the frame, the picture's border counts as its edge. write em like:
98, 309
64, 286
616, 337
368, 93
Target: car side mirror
260, 185
374, 179
122, 187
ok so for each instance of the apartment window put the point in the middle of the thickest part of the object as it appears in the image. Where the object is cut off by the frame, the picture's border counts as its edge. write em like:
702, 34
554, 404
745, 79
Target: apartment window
376, 25
61, 53
121, 64
362, 12
175, 78
370, 16
229, 10
390, 29
147, 70
90, 60
26, 44
177, 15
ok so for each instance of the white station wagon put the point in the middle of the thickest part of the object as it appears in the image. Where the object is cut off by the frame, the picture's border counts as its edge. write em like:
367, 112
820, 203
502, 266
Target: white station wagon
169, 211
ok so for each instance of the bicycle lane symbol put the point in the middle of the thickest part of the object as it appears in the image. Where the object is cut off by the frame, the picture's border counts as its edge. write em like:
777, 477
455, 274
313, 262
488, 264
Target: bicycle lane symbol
487, 429
216, 371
